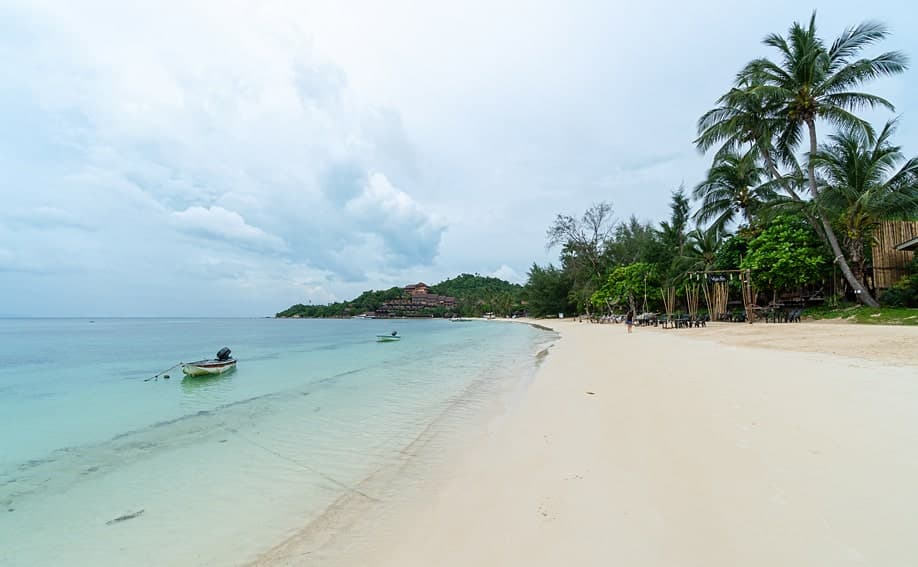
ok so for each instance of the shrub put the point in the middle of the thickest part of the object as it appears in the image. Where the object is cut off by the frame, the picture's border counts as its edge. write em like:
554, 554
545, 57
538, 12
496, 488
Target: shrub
903, 294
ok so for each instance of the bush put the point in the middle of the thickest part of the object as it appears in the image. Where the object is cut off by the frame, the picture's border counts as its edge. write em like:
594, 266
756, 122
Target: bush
903, 294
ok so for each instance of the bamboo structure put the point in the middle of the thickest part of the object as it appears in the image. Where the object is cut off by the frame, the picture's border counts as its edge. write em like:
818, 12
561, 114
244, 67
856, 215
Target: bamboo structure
669, 300
749, 295
889, 264
706, 291
691, 299
720, 294
716, 290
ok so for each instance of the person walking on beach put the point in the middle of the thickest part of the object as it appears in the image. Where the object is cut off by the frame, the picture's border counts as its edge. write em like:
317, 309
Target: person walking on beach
629, 320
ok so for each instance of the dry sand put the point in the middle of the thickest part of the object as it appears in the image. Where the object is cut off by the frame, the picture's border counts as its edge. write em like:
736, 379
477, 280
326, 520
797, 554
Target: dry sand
676, 448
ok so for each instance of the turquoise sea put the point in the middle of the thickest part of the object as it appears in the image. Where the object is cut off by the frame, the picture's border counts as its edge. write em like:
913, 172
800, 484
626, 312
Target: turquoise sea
100, 467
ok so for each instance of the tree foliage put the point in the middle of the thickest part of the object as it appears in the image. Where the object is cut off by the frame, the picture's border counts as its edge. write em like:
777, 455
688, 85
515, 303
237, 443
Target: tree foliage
634, 286
366, 301
547, 292
583, 245
863, 182
785, 256
475, 296
478, 294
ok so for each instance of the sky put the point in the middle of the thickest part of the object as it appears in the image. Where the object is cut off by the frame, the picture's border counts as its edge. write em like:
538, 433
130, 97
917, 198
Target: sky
231, 158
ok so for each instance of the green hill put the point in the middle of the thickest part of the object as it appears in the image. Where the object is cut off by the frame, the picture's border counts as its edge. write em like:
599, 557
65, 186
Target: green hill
475, 296
478, 295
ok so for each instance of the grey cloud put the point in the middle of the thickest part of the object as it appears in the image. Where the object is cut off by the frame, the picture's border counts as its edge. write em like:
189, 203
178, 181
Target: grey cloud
343, 181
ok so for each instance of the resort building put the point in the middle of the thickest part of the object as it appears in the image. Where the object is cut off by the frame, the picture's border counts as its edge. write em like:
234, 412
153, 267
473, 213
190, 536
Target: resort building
417, 289
417, 301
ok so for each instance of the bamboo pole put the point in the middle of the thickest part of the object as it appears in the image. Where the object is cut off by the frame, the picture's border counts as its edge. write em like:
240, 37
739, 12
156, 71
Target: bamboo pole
748, 295
669, 300
721, 294
691, 299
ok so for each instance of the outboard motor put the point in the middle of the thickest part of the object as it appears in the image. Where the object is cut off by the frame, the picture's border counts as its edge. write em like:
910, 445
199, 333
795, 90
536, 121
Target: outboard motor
223, 353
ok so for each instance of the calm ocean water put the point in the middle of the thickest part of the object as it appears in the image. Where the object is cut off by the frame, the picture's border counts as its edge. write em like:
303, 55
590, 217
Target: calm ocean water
99, 467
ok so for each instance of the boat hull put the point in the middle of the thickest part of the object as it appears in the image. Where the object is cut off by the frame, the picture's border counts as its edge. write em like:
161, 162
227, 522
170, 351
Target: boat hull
208, 367
387, 339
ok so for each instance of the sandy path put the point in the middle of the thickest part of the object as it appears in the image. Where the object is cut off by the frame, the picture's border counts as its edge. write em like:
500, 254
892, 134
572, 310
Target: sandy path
883, 343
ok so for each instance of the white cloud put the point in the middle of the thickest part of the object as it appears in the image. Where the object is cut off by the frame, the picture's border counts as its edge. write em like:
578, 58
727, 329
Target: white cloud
507, 273
219, 223
409, 234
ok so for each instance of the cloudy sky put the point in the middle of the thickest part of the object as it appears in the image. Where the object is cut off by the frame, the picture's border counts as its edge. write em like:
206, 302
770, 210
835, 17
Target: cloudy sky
234, 157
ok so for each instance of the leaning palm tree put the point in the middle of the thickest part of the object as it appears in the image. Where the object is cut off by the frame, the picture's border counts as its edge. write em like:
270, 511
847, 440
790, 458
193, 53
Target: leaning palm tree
812, 82
733, 188
864, 183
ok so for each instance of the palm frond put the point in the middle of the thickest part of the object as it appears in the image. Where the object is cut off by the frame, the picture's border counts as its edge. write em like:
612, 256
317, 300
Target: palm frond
863, 70
853, 40
842, 119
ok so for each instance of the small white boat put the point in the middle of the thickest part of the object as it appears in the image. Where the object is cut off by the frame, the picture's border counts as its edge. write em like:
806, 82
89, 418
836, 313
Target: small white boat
391, 338
223, 363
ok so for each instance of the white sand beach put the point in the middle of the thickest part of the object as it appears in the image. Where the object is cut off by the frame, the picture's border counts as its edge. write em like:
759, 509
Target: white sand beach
689, 447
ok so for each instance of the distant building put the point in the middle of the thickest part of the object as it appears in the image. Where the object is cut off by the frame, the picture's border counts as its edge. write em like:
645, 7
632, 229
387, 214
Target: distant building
417, 289
417, 298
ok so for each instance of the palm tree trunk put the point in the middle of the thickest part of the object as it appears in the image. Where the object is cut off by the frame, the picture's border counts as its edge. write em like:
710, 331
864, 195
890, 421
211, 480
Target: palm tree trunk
859, 289
855, 248
775, 174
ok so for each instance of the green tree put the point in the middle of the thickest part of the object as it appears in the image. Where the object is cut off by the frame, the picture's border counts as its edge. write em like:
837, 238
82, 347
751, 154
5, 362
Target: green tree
583, 248
731, 252
547, 291
814, 81
635, 285
785, 256
636, 241
864, 183
672, 238
477, 294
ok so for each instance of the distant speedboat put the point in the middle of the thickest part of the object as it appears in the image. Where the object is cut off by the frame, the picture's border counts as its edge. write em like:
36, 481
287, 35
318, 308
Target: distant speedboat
390, 338
223, 363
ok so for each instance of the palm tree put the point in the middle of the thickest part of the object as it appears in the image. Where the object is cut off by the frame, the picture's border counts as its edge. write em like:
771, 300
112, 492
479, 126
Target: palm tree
862, 184
743, 116
701, 252
813, 81
733, 187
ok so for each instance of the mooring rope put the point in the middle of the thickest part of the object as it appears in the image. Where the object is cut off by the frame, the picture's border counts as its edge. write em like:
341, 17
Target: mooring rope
157, 375
302, 465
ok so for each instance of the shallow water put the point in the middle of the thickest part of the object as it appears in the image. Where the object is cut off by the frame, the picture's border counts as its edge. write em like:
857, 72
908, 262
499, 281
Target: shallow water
99, 467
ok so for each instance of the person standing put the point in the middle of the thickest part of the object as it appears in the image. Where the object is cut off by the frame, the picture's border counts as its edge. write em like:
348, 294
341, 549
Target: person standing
629, 320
